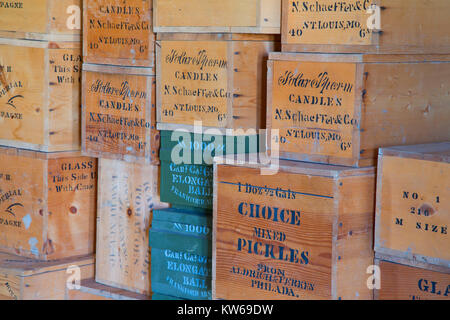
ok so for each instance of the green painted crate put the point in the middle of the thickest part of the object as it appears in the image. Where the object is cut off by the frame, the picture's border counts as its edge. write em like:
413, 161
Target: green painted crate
181, 250
190, 183
157, 296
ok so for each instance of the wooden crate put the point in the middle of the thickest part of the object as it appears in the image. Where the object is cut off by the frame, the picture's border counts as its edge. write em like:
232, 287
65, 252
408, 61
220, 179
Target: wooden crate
218, 79
157, 296
91, 290
118, 32
39, 95
26, 279
400, 279
56, 20
303, 233
412, 214
406, 26
340, 109
47, 204
119, 114
128, 193
205, 16
188, 181
181, 253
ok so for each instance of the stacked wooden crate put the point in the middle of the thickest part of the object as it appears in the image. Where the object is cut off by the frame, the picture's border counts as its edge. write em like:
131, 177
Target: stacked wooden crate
47, 188
211, 98
119, 128
411, 222
306, 231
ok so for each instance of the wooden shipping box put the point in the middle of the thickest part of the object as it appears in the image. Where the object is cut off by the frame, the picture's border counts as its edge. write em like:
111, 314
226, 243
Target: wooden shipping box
91, 290
401, 279
127, 195
218, 79
40, 95
395, 26
340, 108
180, 241
56, 20
302, 233
186, 164
119, 113
412, 212
118, 32
26, 279
206, 16
47, 204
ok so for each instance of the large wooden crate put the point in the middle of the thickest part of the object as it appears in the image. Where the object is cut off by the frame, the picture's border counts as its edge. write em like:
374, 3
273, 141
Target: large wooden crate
39, 95
47, 204
181, 253
206, 16
127, 195
26, 279
412, 212
303, 233
118, 32
119, 113
217, 79
91, 290
57, 20
340, 109
406, 26
402, 279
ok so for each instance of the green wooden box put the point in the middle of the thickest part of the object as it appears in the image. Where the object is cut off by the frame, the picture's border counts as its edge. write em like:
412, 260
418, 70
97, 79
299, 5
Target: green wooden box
186, 165
181, 250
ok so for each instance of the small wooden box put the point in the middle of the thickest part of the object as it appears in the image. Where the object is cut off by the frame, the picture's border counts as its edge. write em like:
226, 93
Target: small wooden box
47, 204
91, 290
187, 185
118, 32
405, 26
26, 279
56, 20
340, 108
127, 195
218, 79
401, 279
206, 16
303, 233
412, 212
187, 178
39, 95
119, 114
181, 253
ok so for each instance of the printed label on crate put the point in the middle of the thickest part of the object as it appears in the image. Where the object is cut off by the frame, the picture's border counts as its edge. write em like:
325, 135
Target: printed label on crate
414, 213
16, 15
272, 250
330, 22
181, 274
416, 283
313, 106
194, 82
117, 115
187, 184
125, 217
22, 83
119, 31
65, 68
